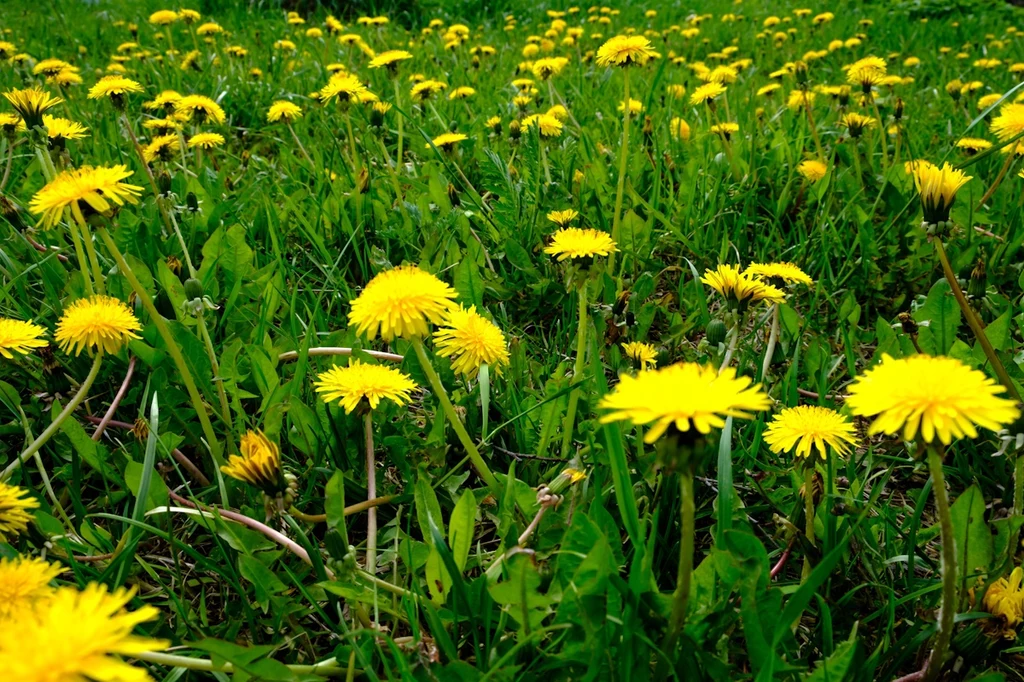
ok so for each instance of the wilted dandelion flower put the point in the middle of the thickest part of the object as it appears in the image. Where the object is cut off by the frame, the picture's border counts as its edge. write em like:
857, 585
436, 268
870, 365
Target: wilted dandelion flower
812, 169
685, 396
258, 463
23, 583
936, 397
359, 382
563, 218
77, 635
283, 110
199, 108
401, 302
740, 288
97, 322
937, 188
1005, 599
644, 355
626, 51
447, 141
573, 242
787, 273
31, 104
707, 93
470, 340
100, 188
205, 140
161, 146
806, 427
18, 336
15, 514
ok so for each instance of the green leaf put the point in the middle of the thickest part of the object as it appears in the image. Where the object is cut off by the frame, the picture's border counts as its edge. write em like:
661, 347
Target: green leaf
971, 533
94, 454
254, 661
469, 283
835, 667
264, 581
461, 528
941, 314
427, 507
334, 503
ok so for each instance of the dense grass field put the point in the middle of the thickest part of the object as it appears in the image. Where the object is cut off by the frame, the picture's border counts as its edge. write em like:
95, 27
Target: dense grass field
565, 343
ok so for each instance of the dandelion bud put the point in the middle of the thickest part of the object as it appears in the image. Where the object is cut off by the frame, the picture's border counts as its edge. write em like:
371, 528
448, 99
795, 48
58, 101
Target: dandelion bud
140, 429
897, 113
163, 181
800, 73
453, 195
174, 264
979, 281
715, 332
648, 131
10, 212
191, 202
514, 130
193, 289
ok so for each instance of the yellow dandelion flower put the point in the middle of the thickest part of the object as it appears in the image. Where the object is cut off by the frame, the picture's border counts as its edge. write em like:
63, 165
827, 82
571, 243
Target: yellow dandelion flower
463, 92
937, 188
679, 129
684, 396
15, 514
199, 108
801, 429
20, 337
24, 582
643, 354
635, 106
706, 93
812, 169
389, 59
424, 89
856, 123
163, 17
209, 28
800, 99
113, 86
344, 88
725, 130
258, 463
783, 272
573, 242
205, 140
98, 322
31, 104
283, 110
65, 78
626, 51
740, 288
547, 125
1008, 123
359, 382
563, 218
98, 187
470, 340
401, 302
50, 67
936, 397
547, 67
973, 145
1005, 599
559, 112
62, 129
77, 635
162, 146
447, 141
165, 100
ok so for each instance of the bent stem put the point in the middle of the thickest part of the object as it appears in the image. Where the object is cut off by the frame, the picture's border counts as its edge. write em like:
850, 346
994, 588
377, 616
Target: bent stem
681, 597
577, 371
460, 430
773, 339
620, 185
974, 322
947, 610
79, 396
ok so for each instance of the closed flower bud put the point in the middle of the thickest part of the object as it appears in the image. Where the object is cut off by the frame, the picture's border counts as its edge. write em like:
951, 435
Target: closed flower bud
191, 202
979, 281
193, 289
715, 332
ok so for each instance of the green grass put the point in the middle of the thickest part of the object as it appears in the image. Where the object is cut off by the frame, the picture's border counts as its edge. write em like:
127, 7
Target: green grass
282, 247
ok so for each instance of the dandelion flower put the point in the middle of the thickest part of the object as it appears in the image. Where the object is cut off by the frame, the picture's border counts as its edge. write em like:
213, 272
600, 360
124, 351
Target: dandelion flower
199, 108
547, 67
937, 188
685, 395
389, 59
258, 463
401, 302
812, 169
15, 516
31, 104
725, 130
345, 89
165, 100
61, 129
563, 218
741, 288
283, 110
856, 123
447, 141
471, 340
800, 429
75, 636
23, 583
643, 354
784, 272
635, 106
1009, 122
1005, 599
351, 385
463, 92
574, 242
99, 322
626, 51
706, 93
161, 146
936, 397
163, 17
679, 129
973, 145
547, 125
423, 90
205, 140
113, 86
50, 67
99, 187
20, 337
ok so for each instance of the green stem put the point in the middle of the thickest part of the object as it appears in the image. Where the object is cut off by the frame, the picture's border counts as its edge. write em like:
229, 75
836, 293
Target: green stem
83, 266
681, 598
328, 668
460, 430
947, 611
974, 322
94, 261
371, 492
577, 371
773, 339
398, 159
222, 396
1018, 504
172, 348
83, 390
623, 158
997, 182
809, 515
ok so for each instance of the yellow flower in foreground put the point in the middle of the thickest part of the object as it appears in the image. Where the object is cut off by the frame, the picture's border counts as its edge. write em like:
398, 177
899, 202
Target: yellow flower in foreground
98, 322
938, 397
470, 340
60, 129
786, 272
19, 337
685, 395
740, 287
98, 187
812, 169
258, 463
563, 218
14, 511
1005, 599
1009, 122
938, 188
205, 140
113, 86
351, 385
23, 583
573, 242
31, 104
75, 636
447, 141
401, 302
800, 429
643, 354
626, 51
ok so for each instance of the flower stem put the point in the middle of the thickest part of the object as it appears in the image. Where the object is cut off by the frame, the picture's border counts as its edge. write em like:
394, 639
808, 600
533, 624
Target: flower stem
312, 166
222, 396
974, 322
327, 668
94, 261
79, 396
398, 159
577, 372
460, 430
83, 266
773, 339
809, 516
371, 493
681, 598
623, 158
997, 182
947, 610
172, 348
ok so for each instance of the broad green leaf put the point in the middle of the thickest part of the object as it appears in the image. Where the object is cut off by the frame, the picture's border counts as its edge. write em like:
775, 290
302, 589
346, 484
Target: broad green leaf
941, 314
972, 537
461, 528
